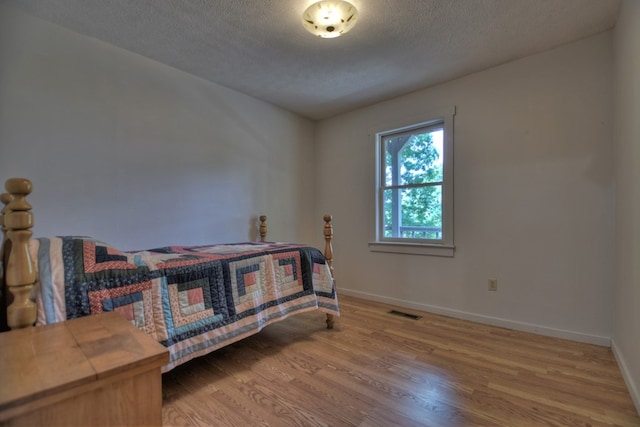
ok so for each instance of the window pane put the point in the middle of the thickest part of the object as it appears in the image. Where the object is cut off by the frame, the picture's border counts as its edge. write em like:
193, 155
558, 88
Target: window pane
414, 158
413, 213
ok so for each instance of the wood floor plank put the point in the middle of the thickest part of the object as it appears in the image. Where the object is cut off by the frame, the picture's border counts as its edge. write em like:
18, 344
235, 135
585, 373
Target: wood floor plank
377, 369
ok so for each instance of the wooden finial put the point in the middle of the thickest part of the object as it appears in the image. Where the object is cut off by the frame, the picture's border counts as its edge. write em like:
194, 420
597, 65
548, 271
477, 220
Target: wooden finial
5, 198
328, 255
20, 276
263, 228
18, 189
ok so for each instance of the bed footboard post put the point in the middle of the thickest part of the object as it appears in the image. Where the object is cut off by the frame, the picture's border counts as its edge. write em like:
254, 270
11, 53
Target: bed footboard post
20, 275
328, 255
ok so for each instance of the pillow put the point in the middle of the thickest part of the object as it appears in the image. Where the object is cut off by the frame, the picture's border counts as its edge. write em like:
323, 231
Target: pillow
67, 265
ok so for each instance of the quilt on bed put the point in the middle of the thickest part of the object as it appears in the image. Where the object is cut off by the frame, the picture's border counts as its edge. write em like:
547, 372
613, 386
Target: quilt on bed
192, 300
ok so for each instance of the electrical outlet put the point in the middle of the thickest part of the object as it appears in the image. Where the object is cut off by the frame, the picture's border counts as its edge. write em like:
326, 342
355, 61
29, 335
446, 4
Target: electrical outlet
493, 284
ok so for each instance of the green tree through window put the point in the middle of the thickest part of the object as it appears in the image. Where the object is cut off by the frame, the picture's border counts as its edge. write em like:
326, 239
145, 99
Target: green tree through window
413, 184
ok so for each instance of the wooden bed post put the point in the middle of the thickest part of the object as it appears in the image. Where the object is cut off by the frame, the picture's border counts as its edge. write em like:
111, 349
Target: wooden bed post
263, 228
5, 198
328, 254
20, 275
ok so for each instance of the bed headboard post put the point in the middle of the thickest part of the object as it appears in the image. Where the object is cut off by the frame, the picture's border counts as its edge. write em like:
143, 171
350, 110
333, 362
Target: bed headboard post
263, 228
20, 275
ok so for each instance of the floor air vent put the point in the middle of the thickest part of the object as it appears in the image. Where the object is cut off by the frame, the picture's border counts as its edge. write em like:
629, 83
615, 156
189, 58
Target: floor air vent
403, 314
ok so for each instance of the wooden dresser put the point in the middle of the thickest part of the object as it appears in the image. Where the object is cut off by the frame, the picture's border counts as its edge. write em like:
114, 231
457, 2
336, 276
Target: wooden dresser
96, 370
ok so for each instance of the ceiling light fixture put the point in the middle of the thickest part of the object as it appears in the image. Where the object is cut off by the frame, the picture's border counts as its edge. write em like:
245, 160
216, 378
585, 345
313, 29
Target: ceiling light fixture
329, 19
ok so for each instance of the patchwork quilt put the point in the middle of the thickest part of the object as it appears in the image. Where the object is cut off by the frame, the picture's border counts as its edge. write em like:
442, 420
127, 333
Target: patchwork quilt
192, 300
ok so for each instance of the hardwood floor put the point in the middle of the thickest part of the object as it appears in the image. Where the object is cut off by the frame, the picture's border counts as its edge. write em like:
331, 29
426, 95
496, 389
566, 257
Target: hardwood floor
377, 369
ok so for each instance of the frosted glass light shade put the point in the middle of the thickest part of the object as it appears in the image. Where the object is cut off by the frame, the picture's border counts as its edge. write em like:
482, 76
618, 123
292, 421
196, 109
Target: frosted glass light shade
329, 19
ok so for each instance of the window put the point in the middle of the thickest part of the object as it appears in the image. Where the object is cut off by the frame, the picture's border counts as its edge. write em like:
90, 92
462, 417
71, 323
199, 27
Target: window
414, 197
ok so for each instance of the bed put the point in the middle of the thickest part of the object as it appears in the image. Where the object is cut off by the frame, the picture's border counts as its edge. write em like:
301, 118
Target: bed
193, 300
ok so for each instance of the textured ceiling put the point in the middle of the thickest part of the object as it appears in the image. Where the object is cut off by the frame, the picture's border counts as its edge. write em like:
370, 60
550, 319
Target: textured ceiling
259, 47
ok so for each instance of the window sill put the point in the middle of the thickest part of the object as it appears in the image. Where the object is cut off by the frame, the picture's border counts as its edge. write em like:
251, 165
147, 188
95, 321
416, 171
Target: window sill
412, 248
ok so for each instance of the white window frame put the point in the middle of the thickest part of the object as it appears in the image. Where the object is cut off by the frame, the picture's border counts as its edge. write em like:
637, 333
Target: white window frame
445, 246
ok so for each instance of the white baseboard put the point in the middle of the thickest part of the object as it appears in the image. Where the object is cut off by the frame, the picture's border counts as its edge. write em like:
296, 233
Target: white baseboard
494, 321
633, 389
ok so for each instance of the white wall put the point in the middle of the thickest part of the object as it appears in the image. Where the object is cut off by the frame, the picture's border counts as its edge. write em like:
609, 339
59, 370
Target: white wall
140, 154
533, 196
626, 304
